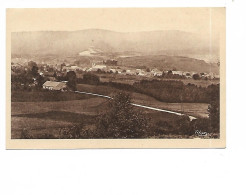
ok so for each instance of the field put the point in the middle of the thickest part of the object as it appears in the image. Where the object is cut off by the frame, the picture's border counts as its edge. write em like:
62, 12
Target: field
194, 109
48, 117
131, 79
43, 95
40, 115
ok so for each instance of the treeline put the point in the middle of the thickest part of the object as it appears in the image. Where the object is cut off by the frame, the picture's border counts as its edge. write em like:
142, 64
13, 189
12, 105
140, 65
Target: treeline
176, 91
171, 91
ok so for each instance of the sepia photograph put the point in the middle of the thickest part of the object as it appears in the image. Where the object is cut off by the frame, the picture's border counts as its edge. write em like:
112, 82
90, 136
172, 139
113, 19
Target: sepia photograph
115, 78
123, 97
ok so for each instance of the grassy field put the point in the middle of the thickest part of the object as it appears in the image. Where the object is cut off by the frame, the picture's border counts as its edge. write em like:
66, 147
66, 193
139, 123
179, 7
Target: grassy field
35, 125
194, 109
119, 78
37, 113
100, 89
49, 117
88, 106
131, 79
47, 96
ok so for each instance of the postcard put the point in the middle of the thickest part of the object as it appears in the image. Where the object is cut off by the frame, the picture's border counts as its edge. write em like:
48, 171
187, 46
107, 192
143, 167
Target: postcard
115, 78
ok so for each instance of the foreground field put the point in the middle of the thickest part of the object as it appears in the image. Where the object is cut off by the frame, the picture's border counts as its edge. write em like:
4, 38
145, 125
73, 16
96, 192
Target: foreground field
48, 118
89, 106
35, 125
45, 113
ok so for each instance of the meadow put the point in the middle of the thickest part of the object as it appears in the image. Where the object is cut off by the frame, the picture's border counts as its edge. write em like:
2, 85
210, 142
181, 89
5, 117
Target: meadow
39, 113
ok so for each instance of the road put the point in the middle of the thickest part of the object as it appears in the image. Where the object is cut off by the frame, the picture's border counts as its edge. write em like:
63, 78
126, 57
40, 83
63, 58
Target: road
138, 105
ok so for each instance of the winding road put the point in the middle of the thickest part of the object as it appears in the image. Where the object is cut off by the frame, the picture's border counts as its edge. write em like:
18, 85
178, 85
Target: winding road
138, 105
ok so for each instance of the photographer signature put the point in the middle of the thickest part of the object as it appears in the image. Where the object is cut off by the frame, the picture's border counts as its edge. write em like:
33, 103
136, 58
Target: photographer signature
201, 133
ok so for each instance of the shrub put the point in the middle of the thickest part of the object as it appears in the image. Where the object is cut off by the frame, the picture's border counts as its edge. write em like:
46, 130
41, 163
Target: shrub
121, 120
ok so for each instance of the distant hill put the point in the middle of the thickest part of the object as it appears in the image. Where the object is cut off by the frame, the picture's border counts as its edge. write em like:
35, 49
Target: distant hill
164, 62
150, 42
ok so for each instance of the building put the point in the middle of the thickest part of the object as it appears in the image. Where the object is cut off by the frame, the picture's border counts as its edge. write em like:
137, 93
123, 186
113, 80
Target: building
99, 67
180, 73
53, 85
140, 72
130, 72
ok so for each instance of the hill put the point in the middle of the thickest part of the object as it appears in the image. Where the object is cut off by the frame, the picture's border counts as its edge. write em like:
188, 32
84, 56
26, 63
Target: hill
164, 62
170, 42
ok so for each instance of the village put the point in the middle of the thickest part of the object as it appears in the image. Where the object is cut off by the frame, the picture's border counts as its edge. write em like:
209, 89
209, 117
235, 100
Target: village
112, 85
104, 69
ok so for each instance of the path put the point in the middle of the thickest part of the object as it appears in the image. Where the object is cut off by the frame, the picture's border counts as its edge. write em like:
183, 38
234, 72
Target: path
137, 105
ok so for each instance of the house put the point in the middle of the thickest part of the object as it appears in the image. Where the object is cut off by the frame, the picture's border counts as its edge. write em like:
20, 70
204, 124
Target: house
156, 72
140, 72
130, 72
99, 67
53, 85
71, 68
112, 70
180, 73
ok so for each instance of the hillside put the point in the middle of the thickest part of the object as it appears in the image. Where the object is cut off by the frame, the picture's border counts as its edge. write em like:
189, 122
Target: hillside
74, 42
164, 62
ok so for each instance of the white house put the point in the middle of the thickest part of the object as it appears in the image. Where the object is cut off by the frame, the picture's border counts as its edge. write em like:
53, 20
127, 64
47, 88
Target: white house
178, 72
53, 85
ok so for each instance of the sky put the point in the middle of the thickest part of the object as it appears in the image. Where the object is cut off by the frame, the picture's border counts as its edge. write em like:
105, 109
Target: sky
197, 20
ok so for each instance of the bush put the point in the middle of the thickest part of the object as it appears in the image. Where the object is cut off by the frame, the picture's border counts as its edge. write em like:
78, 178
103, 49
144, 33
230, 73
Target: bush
183, 125
121, 119
196, 76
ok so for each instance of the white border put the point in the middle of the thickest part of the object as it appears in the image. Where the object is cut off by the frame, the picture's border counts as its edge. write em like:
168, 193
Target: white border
169, 171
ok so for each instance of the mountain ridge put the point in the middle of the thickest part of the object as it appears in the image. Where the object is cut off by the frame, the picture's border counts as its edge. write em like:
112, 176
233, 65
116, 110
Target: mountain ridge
73, 42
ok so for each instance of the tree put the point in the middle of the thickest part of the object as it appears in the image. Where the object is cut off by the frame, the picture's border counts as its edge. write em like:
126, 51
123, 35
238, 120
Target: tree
28, 77
40, 81
214, 108
34, 71
183, 125
55, 75
170, 72
121, 120
72, 80
196, 76
31, 64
